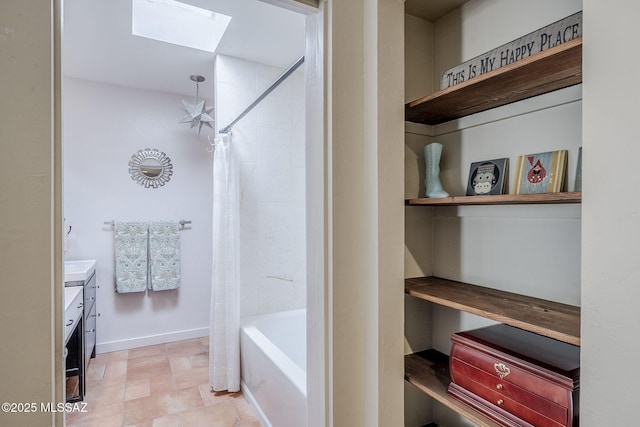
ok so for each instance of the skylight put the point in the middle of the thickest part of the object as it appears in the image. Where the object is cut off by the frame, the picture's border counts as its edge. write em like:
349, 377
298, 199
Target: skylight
178, 23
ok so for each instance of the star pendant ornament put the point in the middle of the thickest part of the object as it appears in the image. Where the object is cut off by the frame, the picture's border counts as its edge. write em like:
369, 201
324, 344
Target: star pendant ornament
197, 114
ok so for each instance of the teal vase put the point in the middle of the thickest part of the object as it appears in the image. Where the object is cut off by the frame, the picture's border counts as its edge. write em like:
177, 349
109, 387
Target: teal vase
432, 153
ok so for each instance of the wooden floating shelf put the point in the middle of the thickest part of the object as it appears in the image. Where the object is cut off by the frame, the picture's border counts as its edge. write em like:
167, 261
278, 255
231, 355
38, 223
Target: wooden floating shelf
546, 71
548, 318
429, 371
503, 199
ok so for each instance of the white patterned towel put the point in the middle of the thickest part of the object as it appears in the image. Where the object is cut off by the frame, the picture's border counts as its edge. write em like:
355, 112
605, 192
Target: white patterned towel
164, 255
130, 241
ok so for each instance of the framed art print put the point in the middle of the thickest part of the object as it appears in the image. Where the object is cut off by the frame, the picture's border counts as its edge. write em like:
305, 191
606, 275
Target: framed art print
487, 177
541, 172
578, 184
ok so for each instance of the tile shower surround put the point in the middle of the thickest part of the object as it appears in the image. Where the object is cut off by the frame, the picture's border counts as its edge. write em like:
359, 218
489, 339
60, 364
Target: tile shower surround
270, 143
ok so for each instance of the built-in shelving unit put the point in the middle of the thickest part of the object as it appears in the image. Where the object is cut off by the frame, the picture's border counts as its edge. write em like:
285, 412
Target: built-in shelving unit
548, 318
552, 69
429, 371
503, 199
546, 71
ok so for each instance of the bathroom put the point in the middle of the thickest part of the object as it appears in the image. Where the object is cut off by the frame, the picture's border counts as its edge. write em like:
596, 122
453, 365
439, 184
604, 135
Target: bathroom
123, 93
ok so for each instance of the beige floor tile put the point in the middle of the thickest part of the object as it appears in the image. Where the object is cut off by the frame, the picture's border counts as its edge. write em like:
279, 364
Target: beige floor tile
192, 378
95, 411
168, 421
95, 371
110, 356
100, 358
145, 367
199, 360
114, 420
185, 348
118, 355
180, 401
221, 415
245, 413
142, 409
180, 364
77, 419
145, 423
210, 397
136, 388
116, 368
152, 350
105, 382
162, 383
106, 395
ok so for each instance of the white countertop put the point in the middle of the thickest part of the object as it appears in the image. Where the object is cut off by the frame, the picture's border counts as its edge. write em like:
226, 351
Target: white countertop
79, 270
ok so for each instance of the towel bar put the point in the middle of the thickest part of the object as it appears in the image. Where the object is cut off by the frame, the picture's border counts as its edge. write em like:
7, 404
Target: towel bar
182, 222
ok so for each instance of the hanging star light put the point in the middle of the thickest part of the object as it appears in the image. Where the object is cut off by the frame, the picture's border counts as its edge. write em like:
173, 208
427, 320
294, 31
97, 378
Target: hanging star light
197, 113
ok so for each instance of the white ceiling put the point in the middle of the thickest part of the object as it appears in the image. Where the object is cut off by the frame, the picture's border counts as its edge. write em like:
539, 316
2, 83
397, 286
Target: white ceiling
97, 44
431, 10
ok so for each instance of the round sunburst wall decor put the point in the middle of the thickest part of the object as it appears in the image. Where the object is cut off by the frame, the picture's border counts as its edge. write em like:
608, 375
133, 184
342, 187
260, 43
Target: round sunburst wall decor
150, 168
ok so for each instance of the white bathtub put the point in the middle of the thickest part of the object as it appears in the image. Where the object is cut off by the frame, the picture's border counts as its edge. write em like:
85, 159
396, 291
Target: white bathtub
273, 365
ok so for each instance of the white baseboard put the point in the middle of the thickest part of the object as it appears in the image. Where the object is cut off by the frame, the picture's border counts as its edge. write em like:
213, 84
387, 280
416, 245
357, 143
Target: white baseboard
106, 347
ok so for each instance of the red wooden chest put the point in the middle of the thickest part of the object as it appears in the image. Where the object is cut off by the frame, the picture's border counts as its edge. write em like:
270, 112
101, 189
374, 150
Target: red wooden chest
516, 377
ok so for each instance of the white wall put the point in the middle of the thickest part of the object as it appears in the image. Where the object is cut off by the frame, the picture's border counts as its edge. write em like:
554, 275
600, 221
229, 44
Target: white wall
104, 125
271, 153
533, 250
611, 226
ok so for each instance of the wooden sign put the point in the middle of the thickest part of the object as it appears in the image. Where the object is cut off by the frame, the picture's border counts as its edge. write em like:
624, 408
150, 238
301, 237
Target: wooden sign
552, 35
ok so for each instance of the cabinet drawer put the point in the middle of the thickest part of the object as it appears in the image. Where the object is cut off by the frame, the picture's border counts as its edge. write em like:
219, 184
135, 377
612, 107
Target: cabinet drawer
90, 293
89, 335
522, 403
518, 377
72, 314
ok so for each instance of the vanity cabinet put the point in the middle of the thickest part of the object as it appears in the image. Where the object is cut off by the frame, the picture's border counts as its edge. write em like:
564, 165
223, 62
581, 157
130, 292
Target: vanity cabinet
90, 319
503, 300
73, 342
82, 343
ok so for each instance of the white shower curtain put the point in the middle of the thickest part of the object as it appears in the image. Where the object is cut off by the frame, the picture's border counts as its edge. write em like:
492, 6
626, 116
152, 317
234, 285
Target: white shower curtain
224, 324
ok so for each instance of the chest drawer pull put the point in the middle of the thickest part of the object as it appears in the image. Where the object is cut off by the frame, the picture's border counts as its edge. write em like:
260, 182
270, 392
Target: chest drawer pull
501, 369
499, 386
500, 401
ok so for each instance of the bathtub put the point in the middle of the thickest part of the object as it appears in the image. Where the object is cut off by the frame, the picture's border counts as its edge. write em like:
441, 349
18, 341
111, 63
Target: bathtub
273, 364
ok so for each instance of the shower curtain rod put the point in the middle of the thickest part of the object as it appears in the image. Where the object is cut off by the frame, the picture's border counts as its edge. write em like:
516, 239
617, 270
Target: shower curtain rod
275, 84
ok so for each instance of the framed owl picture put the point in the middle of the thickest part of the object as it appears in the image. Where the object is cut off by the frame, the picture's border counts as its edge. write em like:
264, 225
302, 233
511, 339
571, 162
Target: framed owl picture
541, 172
488, 177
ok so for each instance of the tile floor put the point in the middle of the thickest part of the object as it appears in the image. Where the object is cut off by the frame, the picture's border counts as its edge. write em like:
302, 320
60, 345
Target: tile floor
164, 385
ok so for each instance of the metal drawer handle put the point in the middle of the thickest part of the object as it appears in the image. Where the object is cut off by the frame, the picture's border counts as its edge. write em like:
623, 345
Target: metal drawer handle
69, 323
79, 305
501, 369
500, 401
92, 330
92, 298
499, 386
